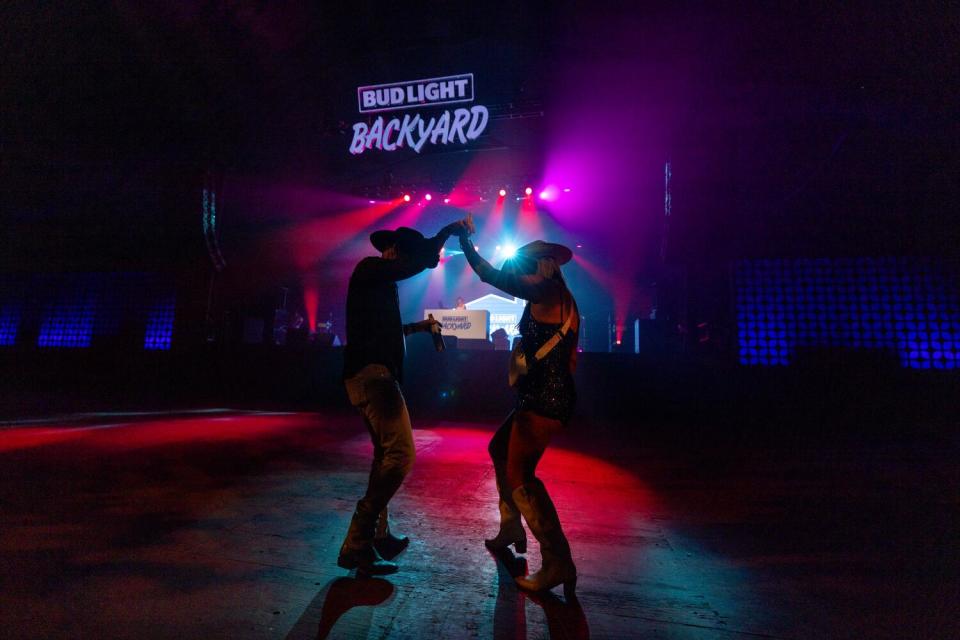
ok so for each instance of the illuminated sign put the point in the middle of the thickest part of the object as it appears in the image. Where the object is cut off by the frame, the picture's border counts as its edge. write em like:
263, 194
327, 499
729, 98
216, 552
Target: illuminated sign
415, 93
457, 126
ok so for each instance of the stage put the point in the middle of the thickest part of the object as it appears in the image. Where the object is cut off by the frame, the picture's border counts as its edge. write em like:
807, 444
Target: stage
226, 524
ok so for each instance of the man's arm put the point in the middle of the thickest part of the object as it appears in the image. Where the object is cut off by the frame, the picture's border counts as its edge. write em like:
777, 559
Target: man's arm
420, 327
405, 266
430, 252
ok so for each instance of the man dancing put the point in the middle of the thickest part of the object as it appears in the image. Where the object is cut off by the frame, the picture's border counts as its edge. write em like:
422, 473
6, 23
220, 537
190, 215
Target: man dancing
372, 372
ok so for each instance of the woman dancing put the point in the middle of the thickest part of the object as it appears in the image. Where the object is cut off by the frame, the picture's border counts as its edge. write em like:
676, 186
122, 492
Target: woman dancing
545, 400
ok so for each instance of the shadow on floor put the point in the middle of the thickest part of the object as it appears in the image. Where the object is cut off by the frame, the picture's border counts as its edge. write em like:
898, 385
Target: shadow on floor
335, 600
565, 618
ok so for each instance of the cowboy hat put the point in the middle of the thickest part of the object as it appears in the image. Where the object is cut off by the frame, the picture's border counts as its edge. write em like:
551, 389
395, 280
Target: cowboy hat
405, 238
540, 249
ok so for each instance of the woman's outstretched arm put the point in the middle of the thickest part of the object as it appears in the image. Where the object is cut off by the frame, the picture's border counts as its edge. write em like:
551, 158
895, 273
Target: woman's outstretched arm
534, 288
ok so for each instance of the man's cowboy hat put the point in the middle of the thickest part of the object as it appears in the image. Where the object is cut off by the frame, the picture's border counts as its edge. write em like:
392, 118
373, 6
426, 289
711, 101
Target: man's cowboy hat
405, 238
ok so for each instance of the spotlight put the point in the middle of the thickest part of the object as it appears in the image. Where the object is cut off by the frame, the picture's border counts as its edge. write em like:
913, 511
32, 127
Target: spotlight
446, 201
528, 190
549, 193
373, 202
503, 193
566, 189
406, 197
428, 197
509, 251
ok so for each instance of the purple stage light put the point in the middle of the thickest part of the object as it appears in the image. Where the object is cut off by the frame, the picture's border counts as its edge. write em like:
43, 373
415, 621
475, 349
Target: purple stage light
549, 193
428, 197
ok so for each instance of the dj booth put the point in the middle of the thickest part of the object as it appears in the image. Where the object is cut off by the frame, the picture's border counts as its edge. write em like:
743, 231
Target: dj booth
470, 328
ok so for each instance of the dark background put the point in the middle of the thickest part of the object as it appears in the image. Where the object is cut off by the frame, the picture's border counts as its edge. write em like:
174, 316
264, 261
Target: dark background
793, 130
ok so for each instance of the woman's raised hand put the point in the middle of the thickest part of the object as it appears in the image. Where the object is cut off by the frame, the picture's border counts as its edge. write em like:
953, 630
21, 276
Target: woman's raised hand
468, 224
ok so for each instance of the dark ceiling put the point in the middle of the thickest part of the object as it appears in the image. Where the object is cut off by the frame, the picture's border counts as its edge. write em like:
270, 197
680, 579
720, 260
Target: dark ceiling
793, 126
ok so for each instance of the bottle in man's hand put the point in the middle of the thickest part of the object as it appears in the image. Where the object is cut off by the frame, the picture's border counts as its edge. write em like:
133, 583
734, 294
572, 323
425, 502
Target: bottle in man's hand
435, 334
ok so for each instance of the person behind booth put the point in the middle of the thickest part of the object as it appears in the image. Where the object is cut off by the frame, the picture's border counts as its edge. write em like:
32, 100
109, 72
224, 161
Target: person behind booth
460, 303
372, 373
545, 402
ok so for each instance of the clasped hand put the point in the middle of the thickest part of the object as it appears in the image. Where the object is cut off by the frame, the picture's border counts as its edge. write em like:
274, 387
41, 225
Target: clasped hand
463, 227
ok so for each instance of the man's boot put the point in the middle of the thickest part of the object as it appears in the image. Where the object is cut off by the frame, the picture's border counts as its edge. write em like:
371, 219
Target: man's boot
358, 551
385, 542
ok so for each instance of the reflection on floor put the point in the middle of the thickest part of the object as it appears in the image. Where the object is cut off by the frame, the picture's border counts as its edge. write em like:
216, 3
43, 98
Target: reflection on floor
225, 524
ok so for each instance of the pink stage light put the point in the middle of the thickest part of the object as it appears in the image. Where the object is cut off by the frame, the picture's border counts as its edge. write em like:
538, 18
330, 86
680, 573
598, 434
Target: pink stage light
446, 201
528, 190
428, 197
503, 193
311, 301
406, 197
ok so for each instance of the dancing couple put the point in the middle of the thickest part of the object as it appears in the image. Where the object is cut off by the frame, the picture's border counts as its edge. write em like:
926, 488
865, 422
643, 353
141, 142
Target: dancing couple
373, 371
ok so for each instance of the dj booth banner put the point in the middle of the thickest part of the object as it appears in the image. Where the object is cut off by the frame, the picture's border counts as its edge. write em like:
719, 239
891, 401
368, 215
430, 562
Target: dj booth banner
463, 323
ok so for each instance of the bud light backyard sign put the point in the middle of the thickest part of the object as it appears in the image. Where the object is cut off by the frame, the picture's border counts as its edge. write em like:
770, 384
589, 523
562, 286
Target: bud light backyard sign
385, 133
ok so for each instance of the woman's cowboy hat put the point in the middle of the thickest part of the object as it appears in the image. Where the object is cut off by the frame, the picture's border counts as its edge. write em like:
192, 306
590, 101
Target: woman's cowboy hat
540, 249
405, 238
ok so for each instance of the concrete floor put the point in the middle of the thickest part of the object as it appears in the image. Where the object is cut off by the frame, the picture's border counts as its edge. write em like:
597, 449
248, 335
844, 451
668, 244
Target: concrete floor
227, 525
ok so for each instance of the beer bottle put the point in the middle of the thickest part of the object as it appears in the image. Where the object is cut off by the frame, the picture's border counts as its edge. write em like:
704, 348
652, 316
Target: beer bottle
435, 334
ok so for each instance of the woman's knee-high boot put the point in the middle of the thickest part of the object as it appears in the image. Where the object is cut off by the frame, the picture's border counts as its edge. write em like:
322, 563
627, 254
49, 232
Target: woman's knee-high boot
534, 503
511, 528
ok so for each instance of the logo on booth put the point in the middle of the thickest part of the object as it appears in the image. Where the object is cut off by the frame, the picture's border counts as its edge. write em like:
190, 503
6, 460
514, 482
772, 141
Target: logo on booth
456, 323
457, 126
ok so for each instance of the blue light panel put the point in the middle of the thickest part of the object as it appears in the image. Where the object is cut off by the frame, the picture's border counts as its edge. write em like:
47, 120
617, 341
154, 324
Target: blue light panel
907, 305
159, 334
9, 323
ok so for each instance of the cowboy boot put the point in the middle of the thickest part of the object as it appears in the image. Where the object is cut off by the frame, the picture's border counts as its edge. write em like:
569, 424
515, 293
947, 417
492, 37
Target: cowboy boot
358, 551
511, 528
534, 503
385, 542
